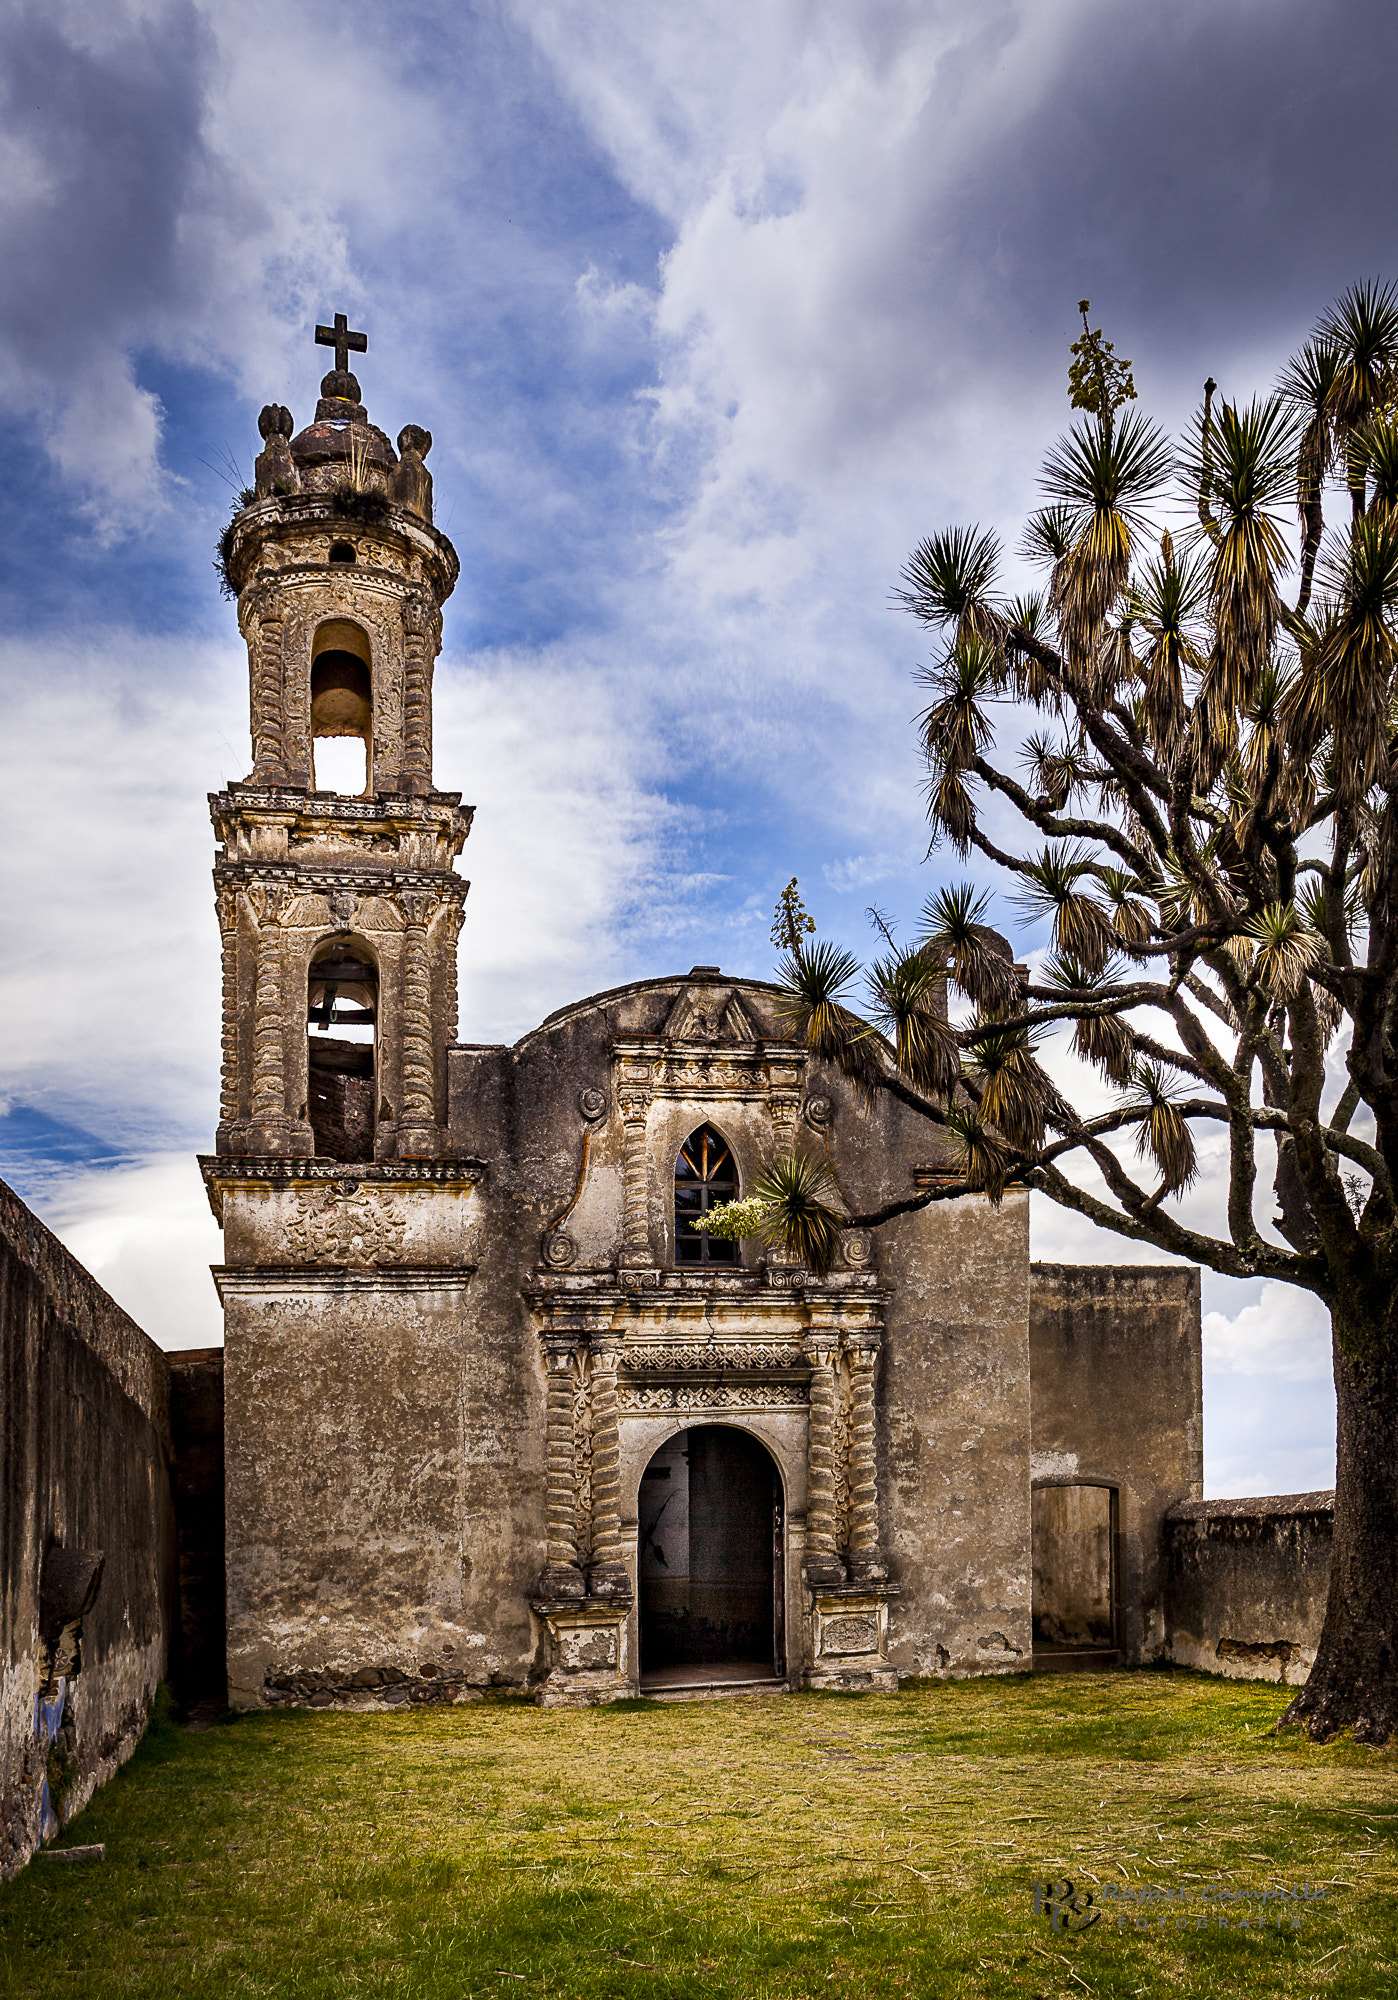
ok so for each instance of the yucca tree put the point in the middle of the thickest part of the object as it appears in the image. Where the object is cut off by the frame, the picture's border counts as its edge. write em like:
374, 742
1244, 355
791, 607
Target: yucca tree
1210, 830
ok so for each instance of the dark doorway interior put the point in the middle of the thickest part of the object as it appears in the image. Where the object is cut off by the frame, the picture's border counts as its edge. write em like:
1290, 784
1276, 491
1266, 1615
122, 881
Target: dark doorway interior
712, 1573
1075, 1612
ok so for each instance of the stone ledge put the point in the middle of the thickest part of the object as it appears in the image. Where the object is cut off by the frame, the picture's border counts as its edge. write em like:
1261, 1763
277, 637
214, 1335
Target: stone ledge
253, 1280
1254, 1507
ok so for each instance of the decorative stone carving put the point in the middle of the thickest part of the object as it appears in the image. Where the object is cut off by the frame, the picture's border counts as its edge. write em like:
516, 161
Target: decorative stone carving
849, 1638
643, 1398
850, 1635
582, 1460
606, 1575
865, 1560
857, 1248
416, 1126
562, 1576
226, 903
823, 1565
559, 1250
592, 1103
342, 905
412, 482
818, 1113
583, 1644
361, 1228
711, 1355
274, 470
635, 1101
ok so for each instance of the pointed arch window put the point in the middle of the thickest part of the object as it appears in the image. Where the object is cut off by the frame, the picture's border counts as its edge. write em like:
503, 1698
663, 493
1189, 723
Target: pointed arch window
705, 1175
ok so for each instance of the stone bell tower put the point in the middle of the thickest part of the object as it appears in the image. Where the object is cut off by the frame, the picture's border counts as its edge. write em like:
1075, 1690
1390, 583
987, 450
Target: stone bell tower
338, 912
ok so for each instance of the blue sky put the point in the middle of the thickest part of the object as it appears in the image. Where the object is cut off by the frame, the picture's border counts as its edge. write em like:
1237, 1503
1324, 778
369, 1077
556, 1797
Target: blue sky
713, 312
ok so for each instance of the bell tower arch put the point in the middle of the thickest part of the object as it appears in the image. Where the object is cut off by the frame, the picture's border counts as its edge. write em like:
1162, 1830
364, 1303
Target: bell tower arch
339, 577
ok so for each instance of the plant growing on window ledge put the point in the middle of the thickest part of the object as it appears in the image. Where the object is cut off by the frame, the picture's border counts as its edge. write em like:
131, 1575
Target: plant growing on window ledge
790, 1204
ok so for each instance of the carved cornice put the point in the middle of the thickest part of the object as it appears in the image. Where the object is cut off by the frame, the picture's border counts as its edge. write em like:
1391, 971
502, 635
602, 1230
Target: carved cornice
268, 1280
326, 879
226, 1172
688, 1068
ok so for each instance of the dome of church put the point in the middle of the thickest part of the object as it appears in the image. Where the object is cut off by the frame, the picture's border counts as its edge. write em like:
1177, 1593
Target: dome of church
342, 438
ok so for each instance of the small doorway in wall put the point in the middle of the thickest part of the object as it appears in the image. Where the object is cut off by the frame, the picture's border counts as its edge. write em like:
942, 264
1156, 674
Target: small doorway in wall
712, 1568
1075, 1577
342, 1005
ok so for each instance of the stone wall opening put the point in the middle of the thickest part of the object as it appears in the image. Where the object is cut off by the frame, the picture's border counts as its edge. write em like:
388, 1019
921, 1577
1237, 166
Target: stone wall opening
711, 1560
342, 994
1075, 1571
342, 710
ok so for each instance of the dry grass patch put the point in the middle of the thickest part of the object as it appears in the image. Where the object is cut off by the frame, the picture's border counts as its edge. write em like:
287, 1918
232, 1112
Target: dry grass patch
762, 1848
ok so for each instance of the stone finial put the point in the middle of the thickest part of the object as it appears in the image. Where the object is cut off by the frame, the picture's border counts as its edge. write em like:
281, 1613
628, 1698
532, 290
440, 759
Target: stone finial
274, 471
339, 399
412, 482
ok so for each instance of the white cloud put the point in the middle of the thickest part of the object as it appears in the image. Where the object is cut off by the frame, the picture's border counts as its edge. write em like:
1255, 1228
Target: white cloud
1283, 1334
148, 1236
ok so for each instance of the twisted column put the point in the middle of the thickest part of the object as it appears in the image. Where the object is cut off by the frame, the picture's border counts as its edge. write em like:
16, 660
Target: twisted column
227, 906
865, 1562
607, 1576
417, 1124
562, 1577
263, 614
418, 632
823, 1565
635, 1244
270, 904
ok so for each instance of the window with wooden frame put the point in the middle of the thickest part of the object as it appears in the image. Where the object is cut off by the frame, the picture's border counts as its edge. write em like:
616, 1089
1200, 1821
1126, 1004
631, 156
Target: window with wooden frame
705, 1175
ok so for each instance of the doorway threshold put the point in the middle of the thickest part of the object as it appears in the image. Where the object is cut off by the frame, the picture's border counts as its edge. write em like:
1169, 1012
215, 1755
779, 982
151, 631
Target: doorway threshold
691, 1683
1075, 1659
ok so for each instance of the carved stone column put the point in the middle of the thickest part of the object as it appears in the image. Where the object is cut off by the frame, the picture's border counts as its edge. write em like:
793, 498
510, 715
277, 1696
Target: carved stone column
635, 1100
419, 622
227, 906
261, 611
417, 1125
823, 1565
562, 1576
270, 903
607, 1576
866, 1563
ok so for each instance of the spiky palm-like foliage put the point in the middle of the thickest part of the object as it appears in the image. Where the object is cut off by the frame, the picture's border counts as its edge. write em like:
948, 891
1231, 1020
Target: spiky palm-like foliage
956, 935
1103, 1038
908, 993
1164, 1133
980, 1153
815, 981
798, 1197
1012, 1091
1052, 888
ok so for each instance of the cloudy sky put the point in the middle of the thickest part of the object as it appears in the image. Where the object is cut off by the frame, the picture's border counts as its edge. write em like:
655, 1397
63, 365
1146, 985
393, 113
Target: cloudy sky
714, 310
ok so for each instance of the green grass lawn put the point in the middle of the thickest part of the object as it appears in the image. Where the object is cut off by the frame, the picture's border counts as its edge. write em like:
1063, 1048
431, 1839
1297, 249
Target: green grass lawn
770, 1846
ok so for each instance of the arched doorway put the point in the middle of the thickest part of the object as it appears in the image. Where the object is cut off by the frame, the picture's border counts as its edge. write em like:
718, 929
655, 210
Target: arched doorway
342, 993
712, 1567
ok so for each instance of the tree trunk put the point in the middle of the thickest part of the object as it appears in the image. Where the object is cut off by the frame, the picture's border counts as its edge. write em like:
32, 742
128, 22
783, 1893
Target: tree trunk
1354, 1682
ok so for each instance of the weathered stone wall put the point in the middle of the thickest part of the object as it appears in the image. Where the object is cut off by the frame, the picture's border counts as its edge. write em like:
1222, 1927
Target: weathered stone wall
1117, 1400
954, 1417
1247, 1583
84, 1401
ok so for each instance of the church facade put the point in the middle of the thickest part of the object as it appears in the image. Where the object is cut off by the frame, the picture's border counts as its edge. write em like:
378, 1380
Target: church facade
496, 1414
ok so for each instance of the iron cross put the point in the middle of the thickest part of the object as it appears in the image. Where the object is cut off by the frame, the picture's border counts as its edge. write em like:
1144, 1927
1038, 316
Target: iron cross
342, 340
